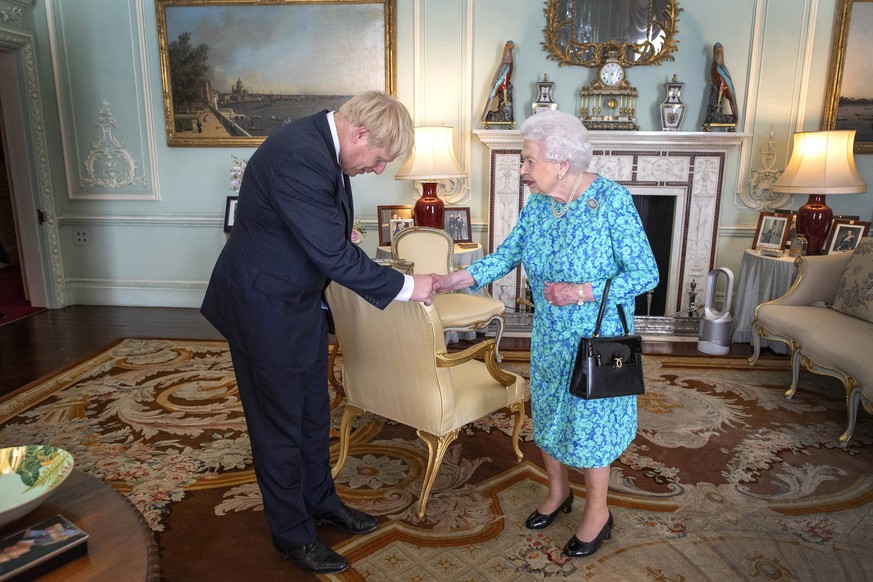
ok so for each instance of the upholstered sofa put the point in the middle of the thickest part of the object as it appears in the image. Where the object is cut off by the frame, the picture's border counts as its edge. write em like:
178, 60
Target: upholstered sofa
826, 318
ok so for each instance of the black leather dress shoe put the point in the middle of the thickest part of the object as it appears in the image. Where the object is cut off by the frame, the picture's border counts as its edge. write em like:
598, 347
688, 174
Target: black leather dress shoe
349, 519
577, 549
316, 557
537, 520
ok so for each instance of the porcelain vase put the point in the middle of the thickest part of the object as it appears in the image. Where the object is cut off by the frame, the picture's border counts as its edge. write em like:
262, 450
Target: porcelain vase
672, 109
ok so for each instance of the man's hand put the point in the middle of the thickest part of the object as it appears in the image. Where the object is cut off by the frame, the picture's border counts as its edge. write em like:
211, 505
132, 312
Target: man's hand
423, 290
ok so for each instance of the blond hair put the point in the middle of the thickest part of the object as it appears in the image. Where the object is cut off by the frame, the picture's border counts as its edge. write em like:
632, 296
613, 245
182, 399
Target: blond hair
387, 120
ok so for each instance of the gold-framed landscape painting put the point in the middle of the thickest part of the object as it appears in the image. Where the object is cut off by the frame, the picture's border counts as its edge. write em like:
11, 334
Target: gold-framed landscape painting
849, 100
235, 71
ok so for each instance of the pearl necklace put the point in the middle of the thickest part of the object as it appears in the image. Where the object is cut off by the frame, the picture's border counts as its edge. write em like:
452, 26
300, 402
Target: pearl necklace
559, 213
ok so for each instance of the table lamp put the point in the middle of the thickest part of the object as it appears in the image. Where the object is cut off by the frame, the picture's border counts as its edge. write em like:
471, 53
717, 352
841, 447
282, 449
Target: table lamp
821, 163
432, 160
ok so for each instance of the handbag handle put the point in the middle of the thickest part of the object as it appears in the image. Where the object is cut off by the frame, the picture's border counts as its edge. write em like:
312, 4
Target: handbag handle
618, 306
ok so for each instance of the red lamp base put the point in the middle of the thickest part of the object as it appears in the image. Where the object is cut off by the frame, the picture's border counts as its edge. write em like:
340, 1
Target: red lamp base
430, 208
813, 221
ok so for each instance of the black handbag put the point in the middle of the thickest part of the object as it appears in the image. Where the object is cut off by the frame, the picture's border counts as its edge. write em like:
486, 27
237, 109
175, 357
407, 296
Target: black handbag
607, 367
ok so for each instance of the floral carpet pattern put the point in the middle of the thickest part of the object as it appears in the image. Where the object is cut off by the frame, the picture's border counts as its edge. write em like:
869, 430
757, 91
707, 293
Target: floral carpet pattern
726, 480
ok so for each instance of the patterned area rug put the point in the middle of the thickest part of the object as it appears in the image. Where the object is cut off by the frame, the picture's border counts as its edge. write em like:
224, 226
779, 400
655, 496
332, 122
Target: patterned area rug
726, 480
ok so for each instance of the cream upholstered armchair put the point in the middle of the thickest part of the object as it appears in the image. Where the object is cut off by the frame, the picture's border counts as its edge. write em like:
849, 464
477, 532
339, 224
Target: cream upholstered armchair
395, 365
431, 250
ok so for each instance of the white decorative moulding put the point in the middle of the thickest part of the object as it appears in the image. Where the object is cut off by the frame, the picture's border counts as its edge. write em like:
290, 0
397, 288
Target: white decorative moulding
109, 164
761, 195
688, 166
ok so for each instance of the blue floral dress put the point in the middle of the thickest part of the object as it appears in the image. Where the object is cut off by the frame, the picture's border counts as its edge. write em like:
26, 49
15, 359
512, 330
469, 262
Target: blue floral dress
600, 236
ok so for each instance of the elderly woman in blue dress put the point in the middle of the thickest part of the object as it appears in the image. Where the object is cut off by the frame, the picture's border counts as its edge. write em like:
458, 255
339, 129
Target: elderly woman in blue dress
576, 231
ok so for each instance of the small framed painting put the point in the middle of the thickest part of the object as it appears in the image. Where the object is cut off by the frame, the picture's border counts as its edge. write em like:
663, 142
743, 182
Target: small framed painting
397, 225
384, 216
230, 212
845, 234
456, 222
772, 231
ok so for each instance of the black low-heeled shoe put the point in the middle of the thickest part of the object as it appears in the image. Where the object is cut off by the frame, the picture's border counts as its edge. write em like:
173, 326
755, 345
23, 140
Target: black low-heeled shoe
577, 549
537, 520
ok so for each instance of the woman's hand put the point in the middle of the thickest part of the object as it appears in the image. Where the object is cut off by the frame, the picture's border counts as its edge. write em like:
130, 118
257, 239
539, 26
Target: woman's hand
559, 294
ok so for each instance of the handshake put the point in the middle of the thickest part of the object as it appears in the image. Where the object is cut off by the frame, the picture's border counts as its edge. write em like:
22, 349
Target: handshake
426, 286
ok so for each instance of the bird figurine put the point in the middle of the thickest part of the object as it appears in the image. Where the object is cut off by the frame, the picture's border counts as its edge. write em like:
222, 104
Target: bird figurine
501, 89
721, 77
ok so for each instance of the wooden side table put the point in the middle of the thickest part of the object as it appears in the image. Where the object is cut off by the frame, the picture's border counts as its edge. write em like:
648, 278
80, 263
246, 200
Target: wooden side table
121, 547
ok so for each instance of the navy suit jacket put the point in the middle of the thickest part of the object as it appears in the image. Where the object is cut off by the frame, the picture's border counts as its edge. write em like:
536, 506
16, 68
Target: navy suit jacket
290, 238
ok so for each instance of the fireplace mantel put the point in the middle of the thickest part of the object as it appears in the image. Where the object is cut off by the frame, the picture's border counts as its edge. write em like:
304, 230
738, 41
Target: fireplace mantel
686, 165
637, 140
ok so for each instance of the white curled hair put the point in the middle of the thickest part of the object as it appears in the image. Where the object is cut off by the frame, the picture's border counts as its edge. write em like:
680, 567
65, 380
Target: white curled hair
563, 136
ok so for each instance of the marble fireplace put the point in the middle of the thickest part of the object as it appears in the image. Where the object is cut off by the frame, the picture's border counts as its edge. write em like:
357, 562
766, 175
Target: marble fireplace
676, 179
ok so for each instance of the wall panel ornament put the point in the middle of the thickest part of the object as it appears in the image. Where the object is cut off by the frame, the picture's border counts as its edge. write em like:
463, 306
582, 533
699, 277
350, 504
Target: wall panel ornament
109, 164
13, 14
760, 195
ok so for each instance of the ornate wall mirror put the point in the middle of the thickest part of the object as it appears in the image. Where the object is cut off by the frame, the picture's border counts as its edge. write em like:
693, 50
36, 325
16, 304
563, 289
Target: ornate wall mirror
579, 32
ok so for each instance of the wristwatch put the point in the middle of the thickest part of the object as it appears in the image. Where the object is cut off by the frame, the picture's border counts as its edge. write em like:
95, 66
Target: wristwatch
581, 299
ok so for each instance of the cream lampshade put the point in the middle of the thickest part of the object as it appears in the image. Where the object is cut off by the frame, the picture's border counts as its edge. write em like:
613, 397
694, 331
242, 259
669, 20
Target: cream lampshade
822, 163
432, 160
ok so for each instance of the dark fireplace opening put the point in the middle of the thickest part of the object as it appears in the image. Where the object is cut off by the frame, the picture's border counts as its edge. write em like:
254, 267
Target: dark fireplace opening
657, 213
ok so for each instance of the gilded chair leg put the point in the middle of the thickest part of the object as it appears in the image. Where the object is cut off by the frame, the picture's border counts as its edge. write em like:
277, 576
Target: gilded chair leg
436, 450
756, 344
517, 409
853, 399
796, 359
332, 352
497, 337
349, 414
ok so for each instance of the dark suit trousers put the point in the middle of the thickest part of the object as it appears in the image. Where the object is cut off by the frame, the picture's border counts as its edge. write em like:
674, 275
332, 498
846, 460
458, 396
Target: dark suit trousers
287, 410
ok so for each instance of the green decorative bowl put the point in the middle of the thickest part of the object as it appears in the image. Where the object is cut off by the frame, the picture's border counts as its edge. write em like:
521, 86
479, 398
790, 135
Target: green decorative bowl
28, 475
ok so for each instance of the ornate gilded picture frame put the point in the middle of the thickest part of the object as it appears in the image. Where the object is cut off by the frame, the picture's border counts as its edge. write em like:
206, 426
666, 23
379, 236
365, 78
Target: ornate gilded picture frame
849, 100
582, 32
234, 71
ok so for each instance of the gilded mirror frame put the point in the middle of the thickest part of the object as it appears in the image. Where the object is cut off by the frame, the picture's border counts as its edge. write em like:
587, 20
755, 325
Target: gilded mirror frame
858, 45
574, 52
190, 127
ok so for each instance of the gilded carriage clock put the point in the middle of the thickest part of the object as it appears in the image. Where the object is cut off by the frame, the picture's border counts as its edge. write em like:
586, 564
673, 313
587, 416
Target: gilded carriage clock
609, 101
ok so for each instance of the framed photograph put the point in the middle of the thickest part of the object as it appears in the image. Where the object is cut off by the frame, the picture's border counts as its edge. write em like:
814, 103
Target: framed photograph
772, 231
456, 222
397, 225
849, 99
234, 72
230, 213
384, 216
844, 235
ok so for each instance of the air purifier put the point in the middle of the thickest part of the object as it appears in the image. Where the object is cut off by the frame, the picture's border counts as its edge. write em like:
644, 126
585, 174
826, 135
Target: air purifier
714, 334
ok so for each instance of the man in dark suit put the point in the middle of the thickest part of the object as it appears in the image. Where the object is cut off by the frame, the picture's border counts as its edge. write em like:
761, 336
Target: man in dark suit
291, 238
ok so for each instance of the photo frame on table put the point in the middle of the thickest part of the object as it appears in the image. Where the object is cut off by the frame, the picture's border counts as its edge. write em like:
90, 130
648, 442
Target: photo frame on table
456, 222
772, 231
850, 87
213, 97
230, 212
844, 235
384, 215
398, 225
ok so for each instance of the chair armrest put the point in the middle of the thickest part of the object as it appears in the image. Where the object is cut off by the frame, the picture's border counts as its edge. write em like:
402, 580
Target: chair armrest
487, 347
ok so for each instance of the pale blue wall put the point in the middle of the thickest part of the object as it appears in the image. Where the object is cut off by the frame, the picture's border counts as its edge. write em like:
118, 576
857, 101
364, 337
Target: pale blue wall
160, 251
